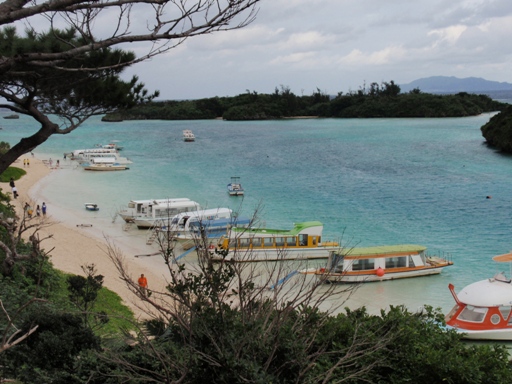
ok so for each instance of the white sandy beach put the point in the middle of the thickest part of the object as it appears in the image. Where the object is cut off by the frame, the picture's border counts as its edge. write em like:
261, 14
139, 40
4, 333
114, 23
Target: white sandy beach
74, 243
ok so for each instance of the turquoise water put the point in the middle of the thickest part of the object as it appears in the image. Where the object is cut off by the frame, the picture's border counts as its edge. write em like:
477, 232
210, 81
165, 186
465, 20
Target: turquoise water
370, 181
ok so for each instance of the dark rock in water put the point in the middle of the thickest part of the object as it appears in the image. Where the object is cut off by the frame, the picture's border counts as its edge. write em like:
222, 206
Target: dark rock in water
13, 116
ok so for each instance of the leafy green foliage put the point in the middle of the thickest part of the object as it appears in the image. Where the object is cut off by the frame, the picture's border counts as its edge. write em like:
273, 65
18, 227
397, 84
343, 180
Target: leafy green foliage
63, 88
4, 147
498, 131
50, 354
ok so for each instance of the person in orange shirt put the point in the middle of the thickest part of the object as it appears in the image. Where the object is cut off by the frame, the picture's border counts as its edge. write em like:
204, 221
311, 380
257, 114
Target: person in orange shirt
143, 284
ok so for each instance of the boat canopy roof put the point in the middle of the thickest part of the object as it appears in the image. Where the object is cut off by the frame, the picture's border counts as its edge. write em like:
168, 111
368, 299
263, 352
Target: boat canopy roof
487, 293
297, 228
382, 250
505, 258
205, 213
159, 201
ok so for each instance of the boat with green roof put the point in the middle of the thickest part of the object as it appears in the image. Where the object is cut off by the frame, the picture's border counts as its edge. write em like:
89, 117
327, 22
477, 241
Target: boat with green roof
379, 263
303, 241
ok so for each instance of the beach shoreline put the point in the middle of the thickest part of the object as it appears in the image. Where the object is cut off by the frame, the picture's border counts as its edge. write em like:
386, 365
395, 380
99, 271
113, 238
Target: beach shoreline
73, 243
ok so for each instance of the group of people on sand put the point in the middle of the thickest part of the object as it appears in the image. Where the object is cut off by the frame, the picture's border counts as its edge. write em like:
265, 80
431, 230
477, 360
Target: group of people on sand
39, 209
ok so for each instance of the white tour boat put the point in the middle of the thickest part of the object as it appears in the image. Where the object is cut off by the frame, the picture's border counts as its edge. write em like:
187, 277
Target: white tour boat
104, 164
188, 135
483, 310
136, 208
302, 242
380, 263
214, 222
86, 155
235, 188
161, 214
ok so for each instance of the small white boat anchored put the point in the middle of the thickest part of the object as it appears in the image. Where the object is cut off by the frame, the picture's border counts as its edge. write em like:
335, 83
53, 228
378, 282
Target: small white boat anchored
302, 242
188, 136
91, 207
483, 310
380, 263
235, 188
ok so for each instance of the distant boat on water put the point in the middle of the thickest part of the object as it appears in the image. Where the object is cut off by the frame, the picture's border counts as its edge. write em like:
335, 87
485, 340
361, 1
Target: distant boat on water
13, 116
235, 188
188, 136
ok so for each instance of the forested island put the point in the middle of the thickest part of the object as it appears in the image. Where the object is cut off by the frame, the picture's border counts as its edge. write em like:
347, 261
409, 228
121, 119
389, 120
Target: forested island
375, 101
498, 131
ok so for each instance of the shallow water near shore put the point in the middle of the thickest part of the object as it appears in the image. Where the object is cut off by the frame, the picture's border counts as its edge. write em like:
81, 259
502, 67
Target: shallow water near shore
370, 181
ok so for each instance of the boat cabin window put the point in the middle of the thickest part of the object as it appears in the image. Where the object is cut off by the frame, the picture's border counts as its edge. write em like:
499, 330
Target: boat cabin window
396, 262
505, 311
268, 241
303, 240
131, 205
290, 241
363, 264
245, 242
256, 241
279, 241
473, 314
416, 261
336, 263
315, 240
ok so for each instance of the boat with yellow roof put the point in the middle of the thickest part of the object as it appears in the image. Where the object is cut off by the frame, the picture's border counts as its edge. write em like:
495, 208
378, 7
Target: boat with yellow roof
379, 263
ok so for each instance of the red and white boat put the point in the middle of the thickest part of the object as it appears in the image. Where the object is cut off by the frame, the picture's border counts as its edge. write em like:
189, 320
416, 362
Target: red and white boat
483, 310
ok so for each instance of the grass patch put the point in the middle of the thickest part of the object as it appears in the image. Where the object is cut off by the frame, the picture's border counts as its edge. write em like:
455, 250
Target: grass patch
15, 173
120, 316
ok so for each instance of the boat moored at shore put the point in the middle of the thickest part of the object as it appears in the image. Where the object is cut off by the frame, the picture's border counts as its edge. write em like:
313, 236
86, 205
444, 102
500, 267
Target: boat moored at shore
379, 263
136, 208
212, 222
483, 310
87, 155
104, 164
162, 213
302, 242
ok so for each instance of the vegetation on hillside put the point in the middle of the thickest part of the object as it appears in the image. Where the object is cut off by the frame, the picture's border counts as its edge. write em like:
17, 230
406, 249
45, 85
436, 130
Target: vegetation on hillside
375, 101
498, 131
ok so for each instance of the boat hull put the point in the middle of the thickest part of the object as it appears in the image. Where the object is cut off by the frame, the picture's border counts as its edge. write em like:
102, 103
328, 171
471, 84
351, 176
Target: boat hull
103, 168
275, 254
490, 334
351, 277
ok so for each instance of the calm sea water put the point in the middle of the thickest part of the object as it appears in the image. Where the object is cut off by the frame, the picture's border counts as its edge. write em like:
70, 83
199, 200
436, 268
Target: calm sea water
370, 181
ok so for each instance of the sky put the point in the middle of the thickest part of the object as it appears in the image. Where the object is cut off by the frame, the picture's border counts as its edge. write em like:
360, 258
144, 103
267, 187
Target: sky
337, 46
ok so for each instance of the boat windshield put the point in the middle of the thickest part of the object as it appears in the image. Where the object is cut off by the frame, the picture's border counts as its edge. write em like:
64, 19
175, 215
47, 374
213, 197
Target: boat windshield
473, 314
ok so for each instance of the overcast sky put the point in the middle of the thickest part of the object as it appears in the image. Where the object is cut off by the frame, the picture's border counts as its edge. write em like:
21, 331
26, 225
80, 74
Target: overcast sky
339, 45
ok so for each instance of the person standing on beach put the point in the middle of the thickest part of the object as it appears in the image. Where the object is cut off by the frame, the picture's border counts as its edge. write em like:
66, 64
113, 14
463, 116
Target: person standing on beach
38, 210
13, 188
43, 208
24, 162
143, 284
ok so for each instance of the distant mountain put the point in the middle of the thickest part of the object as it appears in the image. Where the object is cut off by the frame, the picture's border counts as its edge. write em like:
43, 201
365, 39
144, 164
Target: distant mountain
451, 84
